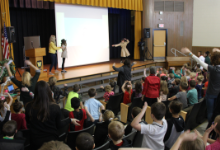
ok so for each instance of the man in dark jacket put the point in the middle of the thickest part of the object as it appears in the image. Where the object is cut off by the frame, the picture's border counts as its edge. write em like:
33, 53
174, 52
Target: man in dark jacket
124, 73
116, 132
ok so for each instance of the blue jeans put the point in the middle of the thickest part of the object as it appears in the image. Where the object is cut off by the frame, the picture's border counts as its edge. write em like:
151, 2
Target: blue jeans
53, 58
210, 103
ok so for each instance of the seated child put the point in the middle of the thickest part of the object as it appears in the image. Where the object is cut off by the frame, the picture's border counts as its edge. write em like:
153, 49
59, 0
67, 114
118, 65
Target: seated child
173, 91
135, 111
108, 93
84, 141
79, 114
182, 95
170, 85
127, 90
137, 92
175, 124
214, 144
71, 95
199, 86
92, 107
9, 142
163, 90
54, 145
101, 131
192, 95
116, 133
153, 133
188, 141
18, 116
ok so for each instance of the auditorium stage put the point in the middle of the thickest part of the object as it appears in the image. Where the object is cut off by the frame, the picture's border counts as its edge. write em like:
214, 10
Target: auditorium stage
80, 73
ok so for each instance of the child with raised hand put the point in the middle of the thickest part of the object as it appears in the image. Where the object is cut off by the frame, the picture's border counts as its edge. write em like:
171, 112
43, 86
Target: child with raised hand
214, 144
177, 74
176, 124
116, 133
3, 109
79, 114
7, 115
163, 90
18, 116
127, 90
153, 133
199, 86
108, 93
182, 95
188, 141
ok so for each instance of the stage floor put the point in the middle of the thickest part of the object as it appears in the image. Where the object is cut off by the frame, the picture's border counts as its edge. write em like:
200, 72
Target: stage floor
87, 70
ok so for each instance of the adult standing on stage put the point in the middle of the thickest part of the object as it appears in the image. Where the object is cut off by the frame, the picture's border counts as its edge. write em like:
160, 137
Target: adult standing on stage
213, 89
53, 53
124, 51
124, 73
27, 84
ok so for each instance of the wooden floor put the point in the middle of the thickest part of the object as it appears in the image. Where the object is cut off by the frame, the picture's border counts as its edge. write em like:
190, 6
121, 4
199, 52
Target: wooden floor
87, 70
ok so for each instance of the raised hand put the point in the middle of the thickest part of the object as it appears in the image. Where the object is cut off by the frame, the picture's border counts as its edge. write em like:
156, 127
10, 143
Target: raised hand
28, 62
185, 50
187, 136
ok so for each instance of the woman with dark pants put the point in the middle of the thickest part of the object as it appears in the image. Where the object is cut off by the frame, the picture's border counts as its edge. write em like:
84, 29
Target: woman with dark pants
124, 73
151, 88
53, 55
214, 78
44, 117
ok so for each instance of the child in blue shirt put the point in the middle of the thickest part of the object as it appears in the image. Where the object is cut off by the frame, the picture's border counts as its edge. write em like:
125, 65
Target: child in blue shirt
192, 94
200, 79
92, 107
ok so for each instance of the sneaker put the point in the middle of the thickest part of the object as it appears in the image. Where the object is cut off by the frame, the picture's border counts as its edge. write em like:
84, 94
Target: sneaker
56, 71
50, 73
63, 71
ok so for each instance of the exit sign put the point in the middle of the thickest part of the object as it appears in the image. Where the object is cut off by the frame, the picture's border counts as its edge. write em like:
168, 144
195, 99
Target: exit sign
160, 25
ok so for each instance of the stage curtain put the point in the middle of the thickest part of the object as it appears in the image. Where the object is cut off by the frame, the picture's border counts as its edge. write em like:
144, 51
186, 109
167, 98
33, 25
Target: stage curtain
121, 4
137, 33
32, 22
0, 33
6, 20
34, 4
119, 28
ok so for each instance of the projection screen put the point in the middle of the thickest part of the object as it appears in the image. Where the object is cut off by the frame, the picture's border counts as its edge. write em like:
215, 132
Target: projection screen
86, 30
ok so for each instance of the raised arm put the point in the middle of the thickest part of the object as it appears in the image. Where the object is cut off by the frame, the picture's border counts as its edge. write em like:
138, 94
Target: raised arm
145, 74
28, 62
10, 99
116, 45
128, 41
123, 86
118, 69
8, 69
13, 79
187, 51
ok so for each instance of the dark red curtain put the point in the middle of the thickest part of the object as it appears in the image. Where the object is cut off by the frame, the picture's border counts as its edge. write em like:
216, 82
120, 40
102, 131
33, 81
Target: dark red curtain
35, 4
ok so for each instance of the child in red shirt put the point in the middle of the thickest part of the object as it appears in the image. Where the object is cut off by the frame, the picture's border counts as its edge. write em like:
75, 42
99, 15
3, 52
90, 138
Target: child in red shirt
127, 90
79, 114
108, 93
19, 117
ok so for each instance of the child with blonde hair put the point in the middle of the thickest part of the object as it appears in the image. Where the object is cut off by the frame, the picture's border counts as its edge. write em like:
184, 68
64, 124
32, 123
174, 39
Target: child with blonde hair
101, 131
127, 90
199, 86
163, 90
108, 93
188, 75
184, 79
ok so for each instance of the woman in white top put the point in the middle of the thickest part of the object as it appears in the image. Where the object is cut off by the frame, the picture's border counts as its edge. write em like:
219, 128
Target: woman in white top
124, 51
64, 53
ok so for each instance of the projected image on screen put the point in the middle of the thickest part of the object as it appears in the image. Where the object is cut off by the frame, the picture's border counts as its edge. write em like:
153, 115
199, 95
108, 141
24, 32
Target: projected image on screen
86, 30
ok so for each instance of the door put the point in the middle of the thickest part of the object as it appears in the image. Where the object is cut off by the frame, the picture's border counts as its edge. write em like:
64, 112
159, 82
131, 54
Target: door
159, 44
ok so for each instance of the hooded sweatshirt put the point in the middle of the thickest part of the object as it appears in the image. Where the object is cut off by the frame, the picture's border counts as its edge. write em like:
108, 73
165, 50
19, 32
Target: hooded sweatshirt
126, 143
175, 128
151, 87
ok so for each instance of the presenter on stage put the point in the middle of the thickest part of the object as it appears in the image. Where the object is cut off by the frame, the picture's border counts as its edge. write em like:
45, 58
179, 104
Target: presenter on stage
124, 51
64, 53
53, 54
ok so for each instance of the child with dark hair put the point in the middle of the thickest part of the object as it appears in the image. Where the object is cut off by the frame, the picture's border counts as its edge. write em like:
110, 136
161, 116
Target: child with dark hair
153, 133
135, 111
79, 114
116, 133
18, 116
84, 141
175, 89
92, 107
71, 95
137, 92
192, 94
9, 142
64, 53
182, 95
175, 124
127, 90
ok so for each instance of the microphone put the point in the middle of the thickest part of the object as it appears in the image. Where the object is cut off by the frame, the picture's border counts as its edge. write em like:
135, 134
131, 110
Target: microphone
32, 44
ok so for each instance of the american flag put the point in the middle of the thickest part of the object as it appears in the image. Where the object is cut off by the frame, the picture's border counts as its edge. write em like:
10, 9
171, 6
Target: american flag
5, 45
